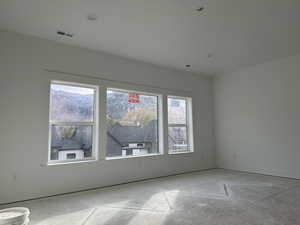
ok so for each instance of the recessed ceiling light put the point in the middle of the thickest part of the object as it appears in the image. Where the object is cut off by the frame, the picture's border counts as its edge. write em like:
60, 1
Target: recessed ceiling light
92, 17
209, 55
187, 65
200, 9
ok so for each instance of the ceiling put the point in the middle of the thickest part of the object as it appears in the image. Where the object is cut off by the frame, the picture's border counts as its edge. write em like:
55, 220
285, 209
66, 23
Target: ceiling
225, 36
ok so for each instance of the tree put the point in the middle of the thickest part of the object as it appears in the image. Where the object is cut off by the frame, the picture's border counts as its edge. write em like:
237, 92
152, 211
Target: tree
111, 121
140, 116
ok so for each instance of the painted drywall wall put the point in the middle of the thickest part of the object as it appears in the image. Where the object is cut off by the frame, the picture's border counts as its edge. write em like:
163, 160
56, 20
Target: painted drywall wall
257, 113
24, 102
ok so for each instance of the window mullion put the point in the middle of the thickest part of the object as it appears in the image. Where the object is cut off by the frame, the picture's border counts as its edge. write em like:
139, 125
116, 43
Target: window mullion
103, 123
165, 124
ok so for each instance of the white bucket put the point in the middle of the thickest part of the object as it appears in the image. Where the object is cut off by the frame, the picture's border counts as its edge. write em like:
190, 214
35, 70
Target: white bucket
14, 216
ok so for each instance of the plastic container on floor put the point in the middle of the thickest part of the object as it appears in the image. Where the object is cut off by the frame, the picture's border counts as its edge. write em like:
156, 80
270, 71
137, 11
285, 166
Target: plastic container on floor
14, 216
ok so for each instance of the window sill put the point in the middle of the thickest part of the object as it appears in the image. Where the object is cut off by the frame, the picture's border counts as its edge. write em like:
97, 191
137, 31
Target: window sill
58, 163
134, 156
178, 153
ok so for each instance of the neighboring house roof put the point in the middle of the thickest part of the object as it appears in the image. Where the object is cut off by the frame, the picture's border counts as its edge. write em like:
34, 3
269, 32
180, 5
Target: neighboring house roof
128, 134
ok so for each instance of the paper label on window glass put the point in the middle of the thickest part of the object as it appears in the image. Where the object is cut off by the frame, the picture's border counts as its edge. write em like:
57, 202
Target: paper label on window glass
133, 98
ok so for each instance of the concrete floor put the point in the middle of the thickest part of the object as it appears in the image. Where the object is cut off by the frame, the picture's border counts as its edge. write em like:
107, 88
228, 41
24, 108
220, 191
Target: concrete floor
211, 197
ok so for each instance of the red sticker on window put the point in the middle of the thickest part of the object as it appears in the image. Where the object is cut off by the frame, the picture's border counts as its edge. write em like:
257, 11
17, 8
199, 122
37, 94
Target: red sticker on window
133, 98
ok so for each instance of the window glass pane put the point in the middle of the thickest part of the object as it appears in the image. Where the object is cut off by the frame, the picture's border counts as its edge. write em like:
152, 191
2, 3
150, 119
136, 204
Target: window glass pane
178, 125
71, 103
176, 111
132, 120
178, 139
71, 142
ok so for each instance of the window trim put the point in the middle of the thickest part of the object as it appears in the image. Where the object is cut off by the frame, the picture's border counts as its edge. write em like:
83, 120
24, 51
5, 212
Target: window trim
188, 125
160, 128
94, 124
99, 124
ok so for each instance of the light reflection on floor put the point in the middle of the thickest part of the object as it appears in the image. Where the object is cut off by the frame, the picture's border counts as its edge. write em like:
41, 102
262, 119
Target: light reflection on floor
210, 197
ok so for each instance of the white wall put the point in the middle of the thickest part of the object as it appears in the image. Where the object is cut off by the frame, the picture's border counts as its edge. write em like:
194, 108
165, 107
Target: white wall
24, 103
257, 114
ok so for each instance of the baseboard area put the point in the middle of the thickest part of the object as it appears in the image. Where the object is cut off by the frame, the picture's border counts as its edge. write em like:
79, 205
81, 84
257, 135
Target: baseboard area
259, 173
108, 186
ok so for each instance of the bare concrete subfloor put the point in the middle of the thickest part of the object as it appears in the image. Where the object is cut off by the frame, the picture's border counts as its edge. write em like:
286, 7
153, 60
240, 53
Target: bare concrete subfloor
214, 197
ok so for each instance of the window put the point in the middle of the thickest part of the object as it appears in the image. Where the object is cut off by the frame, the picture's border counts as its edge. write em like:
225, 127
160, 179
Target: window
72, 127
132, 123
179, 125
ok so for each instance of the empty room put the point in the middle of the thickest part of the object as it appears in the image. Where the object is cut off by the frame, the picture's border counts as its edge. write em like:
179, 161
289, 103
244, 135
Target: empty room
162, 112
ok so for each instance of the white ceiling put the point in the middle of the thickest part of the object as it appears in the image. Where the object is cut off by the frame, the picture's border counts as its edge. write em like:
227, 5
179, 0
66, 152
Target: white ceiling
171, 33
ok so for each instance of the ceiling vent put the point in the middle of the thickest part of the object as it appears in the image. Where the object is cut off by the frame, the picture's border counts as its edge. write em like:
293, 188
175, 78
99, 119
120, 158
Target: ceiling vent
62, 33
200, 9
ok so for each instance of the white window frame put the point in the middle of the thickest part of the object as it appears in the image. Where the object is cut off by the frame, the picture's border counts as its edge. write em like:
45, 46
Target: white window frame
188, 125
94, 123
160, 143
